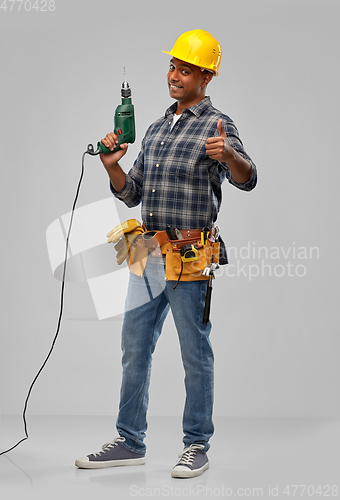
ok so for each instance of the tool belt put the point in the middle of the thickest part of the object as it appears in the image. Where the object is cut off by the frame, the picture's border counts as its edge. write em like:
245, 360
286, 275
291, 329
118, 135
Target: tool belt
202, 254
185, 257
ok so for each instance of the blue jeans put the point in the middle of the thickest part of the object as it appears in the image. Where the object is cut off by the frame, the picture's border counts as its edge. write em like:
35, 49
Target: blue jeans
147, 305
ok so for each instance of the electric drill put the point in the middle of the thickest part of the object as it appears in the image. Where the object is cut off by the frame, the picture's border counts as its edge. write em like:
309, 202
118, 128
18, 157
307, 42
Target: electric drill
124, 121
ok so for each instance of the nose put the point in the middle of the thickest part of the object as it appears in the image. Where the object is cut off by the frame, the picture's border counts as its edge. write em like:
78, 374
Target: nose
173, 75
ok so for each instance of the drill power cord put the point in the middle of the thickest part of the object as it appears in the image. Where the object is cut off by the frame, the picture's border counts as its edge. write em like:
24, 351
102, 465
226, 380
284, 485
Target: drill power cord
90, 151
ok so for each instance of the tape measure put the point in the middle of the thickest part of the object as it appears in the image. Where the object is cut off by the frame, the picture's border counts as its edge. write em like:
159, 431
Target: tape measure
189, 253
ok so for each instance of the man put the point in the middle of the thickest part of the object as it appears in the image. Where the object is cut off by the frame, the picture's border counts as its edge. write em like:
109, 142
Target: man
185, 156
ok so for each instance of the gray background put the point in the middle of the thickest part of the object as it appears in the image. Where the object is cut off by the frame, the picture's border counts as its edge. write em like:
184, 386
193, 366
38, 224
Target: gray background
275, 338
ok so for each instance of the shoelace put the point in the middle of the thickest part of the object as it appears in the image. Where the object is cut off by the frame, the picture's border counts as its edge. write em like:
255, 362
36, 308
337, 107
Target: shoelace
188, 454
109, 445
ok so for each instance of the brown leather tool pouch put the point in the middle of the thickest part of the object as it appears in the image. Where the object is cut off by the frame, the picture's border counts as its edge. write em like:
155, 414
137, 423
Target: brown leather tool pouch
192, 271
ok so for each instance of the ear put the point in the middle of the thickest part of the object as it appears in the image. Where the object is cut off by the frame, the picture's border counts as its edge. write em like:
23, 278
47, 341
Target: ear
207, 77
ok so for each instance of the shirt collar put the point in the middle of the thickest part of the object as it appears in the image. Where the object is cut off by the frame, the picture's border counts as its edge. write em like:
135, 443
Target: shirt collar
197, 109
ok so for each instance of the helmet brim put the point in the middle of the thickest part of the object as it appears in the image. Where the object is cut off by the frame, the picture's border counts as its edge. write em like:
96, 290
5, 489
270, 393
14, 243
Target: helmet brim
215, 73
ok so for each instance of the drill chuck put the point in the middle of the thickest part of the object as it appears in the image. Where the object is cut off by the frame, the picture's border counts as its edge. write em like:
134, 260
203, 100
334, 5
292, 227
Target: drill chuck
126, 91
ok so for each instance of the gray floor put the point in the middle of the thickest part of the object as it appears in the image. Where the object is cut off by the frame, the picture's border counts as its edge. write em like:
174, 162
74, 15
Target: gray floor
249, 457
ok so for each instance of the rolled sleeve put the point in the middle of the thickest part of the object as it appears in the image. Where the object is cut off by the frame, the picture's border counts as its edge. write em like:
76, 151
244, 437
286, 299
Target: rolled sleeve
250, 183
131, 194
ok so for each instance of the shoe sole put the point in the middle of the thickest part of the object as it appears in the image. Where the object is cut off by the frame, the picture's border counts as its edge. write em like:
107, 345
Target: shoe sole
189, 473
87, 464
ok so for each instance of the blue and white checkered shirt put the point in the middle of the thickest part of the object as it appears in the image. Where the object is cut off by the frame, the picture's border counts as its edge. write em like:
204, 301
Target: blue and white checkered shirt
174, 178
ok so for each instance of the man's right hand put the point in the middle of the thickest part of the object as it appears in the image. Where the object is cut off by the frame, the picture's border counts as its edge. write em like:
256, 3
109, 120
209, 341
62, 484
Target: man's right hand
110, 161
111, 141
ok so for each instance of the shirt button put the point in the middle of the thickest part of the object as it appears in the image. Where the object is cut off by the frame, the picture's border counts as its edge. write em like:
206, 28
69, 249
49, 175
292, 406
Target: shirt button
157, 164
162, 143
151, 214
153, 190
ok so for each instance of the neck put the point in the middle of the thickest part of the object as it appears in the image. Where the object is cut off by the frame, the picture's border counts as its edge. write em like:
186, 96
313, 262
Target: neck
181, 106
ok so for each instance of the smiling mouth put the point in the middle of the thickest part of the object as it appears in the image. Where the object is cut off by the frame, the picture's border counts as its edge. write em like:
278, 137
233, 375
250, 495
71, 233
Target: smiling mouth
174, 87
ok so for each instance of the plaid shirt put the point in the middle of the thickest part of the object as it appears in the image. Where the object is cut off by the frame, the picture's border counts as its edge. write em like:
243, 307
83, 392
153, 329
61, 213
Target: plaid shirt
174, 178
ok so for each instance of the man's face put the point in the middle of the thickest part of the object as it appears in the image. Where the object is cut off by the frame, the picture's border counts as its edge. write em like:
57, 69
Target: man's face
186, 82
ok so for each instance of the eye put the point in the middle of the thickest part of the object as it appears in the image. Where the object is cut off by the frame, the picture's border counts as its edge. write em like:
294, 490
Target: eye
171, 67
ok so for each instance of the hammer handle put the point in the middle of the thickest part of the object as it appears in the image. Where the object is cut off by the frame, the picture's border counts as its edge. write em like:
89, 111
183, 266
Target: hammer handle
206, 313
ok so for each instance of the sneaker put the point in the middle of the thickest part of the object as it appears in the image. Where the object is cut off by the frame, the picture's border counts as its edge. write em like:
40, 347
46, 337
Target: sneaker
192, 462
112, 454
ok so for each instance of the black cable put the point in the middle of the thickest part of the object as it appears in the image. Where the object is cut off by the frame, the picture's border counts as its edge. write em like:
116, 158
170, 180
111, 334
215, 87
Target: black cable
180, 274
89, 151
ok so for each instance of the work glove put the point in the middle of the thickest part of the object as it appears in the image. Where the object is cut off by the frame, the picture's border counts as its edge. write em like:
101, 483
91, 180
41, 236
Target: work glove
125, 234
123, 228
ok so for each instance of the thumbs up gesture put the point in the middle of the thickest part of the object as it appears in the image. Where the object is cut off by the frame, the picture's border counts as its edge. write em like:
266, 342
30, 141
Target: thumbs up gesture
218, 148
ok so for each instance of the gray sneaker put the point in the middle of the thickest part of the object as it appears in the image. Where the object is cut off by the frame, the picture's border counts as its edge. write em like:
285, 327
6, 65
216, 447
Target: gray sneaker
192, 462
112, 454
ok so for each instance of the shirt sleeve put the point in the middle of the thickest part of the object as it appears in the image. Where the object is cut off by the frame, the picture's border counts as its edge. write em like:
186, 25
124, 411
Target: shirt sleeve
131, 194
235, 141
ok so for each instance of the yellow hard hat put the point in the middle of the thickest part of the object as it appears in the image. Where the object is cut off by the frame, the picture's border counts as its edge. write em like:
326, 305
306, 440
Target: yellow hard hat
198, 47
